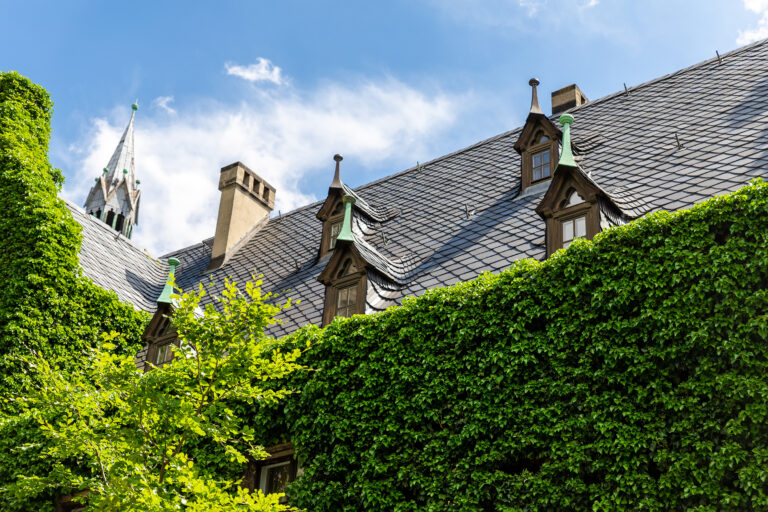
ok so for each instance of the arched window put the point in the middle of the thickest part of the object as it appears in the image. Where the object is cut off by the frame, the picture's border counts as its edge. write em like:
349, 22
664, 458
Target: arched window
110, 220
120, 221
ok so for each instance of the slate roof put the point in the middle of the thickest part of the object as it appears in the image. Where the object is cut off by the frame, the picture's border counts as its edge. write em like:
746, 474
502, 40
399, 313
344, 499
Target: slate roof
461, 214
113, 262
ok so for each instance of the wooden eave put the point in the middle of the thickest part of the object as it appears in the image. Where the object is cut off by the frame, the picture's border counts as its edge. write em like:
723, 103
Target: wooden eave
567, 177
533, 123
342, 250
334, 194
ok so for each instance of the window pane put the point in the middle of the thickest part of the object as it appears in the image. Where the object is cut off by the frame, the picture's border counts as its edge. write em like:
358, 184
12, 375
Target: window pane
164, 354
335, 230
545, 157
278, 478
537, 160
347, 301
341, 302
545, 171
536, 173
567, 231
581, 227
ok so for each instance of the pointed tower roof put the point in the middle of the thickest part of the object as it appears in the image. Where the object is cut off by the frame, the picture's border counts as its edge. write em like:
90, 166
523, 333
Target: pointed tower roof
122, 158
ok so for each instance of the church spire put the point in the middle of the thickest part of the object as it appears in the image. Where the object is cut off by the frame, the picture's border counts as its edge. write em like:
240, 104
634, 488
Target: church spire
114, 198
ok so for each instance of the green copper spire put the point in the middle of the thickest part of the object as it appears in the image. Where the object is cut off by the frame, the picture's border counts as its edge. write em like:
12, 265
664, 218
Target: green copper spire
165, 296
135, 106
566, 156
346, 227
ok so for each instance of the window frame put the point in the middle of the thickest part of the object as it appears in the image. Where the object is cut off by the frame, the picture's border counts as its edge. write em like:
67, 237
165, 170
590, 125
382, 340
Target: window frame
159, 333
327, 237
280, 455
587, 209
536, 148
358, 278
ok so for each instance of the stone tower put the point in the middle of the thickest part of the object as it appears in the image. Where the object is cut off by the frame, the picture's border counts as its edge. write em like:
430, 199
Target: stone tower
114, 198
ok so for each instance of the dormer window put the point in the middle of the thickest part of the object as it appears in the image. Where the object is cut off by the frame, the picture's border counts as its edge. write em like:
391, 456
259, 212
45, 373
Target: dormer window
345, 294
160, 337
573, 229
346, 301
540, 165
573, 217
332, 228
538, 159
335, 230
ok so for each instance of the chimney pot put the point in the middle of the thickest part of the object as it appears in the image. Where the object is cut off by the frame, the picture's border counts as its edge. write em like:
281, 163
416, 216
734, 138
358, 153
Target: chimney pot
566, 98
246, 202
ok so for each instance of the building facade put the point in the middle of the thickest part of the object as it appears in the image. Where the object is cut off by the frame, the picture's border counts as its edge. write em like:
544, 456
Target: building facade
663, 145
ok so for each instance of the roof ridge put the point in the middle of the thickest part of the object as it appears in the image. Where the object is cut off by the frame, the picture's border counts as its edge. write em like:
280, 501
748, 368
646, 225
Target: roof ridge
668, 75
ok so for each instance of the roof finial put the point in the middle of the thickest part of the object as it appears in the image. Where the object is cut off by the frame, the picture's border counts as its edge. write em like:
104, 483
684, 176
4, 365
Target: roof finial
135, 105
345, 235
535, 109
336, 183
165, 295
566, 156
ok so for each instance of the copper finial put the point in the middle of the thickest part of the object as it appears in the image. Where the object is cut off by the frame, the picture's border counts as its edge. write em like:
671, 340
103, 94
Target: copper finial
336, 183
535, 109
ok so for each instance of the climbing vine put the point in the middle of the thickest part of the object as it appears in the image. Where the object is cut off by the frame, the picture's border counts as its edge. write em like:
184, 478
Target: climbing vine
626, 373
46, 304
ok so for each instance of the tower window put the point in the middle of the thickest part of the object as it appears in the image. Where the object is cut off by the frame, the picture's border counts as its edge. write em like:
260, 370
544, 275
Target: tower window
120, 221
110, 218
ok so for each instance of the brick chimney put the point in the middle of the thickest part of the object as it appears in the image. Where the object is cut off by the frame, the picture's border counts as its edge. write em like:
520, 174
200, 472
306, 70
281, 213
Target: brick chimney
246, 201
568, 97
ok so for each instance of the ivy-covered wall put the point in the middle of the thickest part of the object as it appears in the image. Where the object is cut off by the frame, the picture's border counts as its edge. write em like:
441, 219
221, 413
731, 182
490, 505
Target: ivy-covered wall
628, 373
46, 304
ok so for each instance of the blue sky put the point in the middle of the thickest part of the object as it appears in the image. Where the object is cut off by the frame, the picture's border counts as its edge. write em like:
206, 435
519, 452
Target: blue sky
282, 86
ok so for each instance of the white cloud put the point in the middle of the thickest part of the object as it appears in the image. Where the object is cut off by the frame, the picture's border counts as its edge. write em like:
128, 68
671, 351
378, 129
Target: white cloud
531, 6
262, 71
538, 17
761, 32
163, 103
283, 135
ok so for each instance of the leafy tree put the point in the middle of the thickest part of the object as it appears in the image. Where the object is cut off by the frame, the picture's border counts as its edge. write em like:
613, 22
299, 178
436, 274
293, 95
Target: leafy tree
137, 431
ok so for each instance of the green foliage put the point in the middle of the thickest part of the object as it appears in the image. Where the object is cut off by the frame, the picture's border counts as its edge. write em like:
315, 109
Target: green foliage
46, 305
136, 430
624, 373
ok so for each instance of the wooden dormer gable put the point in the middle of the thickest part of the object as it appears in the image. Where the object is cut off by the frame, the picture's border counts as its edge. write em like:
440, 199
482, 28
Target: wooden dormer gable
332, 212
570, 206
346, 282
537, 144
332, 206
566, 181
536, 126
344, 263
